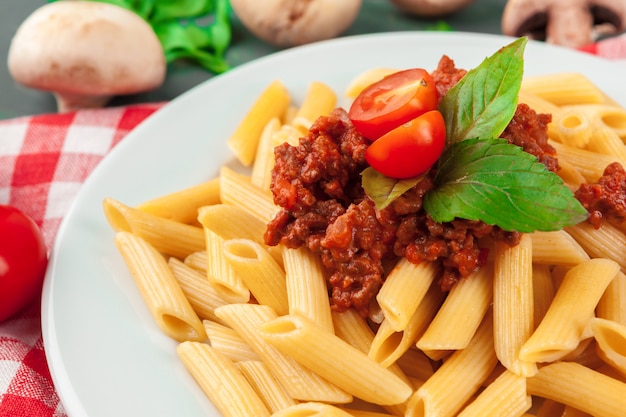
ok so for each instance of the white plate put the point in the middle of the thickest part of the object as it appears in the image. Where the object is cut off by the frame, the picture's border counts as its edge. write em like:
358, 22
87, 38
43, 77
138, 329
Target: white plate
106, 355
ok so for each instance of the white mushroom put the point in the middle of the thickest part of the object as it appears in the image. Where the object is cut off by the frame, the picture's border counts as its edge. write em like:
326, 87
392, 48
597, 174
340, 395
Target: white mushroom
431, 8
85, 53
570, 23
288, 23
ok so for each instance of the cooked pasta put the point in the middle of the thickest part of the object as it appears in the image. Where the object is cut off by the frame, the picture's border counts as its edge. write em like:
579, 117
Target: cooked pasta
539, 329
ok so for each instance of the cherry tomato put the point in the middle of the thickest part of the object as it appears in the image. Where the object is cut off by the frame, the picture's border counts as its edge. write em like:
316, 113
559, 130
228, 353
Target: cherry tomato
23, 261
411, 149
392, 101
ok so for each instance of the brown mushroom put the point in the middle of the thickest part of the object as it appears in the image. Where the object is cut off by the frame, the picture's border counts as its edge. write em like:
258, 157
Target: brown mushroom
570, 23
85, 52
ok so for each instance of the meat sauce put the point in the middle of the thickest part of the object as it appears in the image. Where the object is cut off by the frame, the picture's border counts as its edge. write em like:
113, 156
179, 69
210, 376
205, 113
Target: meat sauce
317, 184
606, 199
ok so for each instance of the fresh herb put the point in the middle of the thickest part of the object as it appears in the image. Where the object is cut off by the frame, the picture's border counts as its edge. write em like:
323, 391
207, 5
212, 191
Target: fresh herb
383, 190
481, 177
483, 102
498, 183
195, 30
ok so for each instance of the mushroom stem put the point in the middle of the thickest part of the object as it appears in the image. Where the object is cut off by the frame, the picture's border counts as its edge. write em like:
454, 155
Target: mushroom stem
67, 102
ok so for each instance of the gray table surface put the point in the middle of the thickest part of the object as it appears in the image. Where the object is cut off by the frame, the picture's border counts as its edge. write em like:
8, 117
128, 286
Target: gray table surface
482, 16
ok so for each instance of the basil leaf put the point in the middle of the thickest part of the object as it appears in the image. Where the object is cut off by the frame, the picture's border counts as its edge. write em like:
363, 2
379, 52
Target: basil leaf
383, 190
483, 102
500, 184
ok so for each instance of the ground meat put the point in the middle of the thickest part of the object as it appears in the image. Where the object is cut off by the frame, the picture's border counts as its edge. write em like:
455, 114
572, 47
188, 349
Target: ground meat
446, 75
528, 130
606, 199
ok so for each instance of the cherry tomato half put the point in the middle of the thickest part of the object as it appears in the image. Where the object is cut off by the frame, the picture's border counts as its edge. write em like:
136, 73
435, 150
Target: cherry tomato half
411, 149
392, 101
23, 260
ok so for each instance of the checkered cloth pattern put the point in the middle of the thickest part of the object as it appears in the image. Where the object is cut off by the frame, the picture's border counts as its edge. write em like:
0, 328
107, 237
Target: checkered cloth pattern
44, 160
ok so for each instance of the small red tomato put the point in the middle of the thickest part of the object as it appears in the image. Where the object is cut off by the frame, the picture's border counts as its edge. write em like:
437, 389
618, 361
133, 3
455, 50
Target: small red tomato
392, 101
411, 149
23, 261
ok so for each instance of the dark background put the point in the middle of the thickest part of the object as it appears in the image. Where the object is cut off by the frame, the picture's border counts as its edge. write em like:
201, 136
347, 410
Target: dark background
481, 16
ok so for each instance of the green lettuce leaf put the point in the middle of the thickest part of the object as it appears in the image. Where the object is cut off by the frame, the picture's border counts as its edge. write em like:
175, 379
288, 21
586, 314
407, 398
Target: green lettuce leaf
483, 102
500, 184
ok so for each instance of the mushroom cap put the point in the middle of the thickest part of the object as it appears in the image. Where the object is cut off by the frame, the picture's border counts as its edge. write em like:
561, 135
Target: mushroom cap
431, 8
86, 48
296, 22
563, 22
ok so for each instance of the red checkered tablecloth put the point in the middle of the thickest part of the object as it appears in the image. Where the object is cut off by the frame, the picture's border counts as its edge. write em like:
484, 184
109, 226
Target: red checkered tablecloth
44, 160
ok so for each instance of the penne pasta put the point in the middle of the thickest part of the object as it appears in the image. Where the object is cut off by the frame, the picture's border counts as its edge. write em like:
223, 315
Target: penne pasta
166, 236
612, 304
228, 342
556, 248
301, 383
261, 174
573, 128
463, 310
564, 88
543, 321
543, 292
354, 330
513, 304
312, 409
307, 293
610, 115
471, 365
364, 79
579, 387
237, 190
221, 381
348, 368
159, 289
589, 164
405, 287
231, 222
611, 342
561, 329
273, 395
220, 273
604, 242
505, 397
320, 100
388, 345
272, 102
260, 273
182, 206
606, 141
202, 297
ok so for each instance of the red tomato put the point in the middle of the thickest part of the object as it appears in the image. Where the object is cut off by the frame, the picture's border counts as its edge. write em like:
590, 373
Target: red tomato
392, 101
411, 149
23, 260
